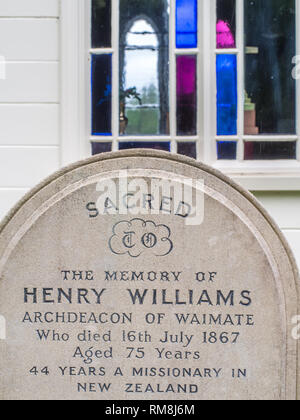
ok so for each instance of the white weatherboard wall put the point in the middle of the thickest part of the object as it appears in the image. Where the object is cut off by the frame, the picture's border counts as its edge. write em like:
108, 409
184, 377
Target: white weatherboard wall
284, 207
29, 96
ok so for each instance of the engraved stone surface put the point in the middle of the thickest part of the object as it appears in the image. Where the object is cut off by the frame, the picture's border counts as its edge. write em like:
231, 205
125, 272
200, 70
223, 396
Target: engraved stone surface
144, 275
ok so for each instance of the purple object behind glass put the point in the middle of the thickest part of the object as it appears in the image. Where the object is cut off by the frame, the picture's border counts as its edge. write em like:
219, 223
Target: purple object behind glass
186, 94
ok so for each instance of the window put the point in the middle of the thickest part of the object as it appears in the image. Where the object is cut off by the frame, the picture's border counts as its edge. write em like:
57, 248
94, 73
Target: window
210, 79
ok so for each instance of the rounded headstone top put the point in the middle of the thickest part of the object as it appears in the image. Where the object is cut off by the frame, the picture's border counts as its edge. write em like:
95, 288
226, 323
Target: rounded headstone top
145, 275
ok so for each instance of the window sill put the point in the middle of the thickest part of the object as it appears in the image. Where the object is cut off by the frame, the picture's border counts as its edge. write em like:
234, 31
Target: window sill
263, 175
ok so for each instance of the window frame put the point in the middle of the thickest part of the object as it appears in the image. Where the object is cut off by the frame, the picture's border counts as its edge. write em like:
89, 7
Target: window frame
76, 97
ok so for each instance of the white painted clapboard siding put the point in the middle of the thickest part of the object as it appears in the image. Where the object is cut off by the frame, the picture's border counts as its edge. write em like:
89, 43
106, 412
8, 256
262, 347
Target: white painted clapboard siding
29, 39
284, 207
29, 96
29, 124
30, 82
8, 198
24, 167
29, 8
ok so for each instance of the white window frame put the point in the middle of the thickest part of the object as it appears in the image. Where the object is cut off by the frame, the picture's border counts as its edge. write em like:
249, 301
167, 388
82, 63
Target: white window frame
76, 97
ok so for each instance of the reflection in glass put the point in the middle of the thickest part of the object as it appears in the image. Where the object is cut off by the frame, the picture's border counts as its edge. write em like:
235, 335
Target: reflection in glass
226, 94
226, 23
270, 150
186, 94
270, 47
101, 94
186, 23
187, 149
144, 145
144, 67
250, 127
226, 150
101, 23
98, 148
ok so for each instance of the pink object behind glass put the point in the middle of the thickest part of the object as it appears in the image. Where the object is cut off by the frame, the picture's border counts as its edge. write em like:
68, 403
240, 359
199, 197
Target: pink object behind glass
225, 38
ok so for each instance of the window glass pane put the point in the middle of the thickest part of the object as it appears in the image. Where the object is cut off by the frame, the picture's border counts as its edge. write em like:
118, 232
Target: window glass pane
101, 23
270, 47
98, 148
186, 23
270, 150
226, 94
144, 145
144, 67
250, 127
187, 149
226, 24
101, 94
226, 150
186, 94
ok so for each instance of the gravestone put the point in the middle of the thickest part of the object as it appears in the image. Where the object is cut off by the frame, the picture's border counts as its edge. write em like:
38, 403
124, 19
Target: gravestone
142, 275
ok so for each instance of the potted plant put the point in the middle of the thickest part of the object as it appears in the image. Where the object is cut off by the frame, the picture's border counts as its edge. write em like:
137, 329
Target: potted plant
130, 93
